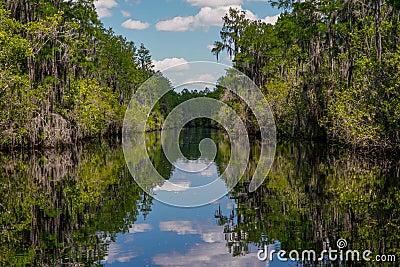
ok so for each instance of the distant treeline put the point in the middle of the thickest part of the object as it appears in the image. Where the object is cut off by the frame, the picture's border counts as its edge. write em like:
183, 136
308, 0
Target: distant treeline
330, 69
173, 98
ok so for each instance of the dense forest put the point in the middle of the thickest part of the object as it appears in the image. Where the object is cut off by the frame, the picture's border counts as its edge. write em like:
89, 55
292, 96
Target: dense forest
63, 76
330, 69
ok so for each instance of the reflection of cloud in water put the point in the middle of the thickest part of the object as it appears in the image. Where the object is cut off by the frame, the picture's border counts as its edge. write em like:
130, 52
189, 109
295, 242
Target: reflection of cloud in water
192, 188
116, 254
174, 186
181, 181
231, 205
209, 172
129, 238
212, 236
208, 233
180, 227
179, 175
213, 252
140, 228
207, 255
192, 165
200, 167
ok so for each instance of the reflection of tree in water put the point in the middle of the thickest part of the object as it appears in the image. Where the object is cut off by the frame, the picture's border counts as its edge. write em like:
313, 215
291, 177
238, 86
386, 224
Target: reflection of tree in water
312, 196
69, 204
189, 139
236, 239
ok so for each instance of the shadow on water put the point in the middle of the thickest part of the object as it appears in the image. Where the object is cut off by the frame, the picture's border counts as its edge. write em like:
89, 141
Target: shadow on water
68, 207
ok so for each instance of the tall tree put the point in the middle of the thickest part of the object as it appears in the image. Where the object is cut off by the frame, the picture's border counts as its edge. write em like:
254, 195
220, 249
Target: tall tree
144, 58
234, 24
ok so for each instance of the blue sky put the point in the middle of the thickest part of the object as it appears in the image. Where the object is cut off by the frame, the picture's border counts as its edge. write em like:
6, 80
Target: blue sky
176, 31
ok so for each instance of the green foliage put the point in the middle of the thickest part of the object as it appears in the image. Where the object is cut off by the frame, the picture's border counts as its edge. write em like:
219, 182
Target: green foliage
57, 59
281, 103
234, 24
94, 108
56, 209
308, 197
172, 99
329, 69
144, 58
353, 120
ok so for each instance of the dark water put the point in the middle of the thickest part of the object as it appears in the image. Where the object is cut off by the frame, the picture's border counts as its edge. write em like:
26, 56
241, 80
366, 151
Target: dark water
81, 207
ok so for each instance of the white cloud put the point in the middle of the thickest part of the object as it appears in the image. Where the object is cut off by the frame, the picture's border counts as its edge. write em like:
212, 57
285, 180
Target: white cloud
125, 13
207, 16
169, 62
214, 3
177, 24
106, 3
103, 12
213, 16
135, 24
210, 47
271, 19
197, 81
103, 7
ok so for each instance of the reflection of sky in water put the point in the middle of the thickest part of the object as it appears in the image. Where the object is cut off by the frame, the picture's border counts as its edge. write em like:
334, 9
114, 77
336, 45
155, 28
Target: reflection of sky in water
176, 189
172, 236
209, 172
195, 166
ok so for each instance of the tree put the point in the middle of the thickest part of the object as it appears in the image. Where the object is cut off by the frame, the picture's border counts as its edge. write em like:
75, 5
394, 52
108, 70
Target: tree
144, 59
234, 23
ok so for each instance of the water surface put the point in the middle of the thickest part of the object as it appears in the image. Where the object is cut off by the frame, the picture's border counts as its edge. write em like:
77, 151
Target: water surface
82, 206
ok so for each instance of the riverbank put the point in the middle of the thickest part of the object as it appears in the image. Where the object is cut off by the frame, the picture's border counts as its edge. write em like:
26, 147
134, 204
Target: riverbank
65, 135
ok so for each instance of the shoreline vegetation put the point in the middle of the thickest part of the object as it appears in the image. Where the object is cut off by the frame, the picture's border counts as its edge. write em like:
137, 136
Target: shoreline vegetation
330, 71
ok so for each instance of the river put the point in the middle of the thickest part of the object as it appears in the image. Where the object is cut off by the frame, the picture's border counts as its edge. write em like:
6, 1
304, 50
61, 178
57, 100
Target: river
81, 207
